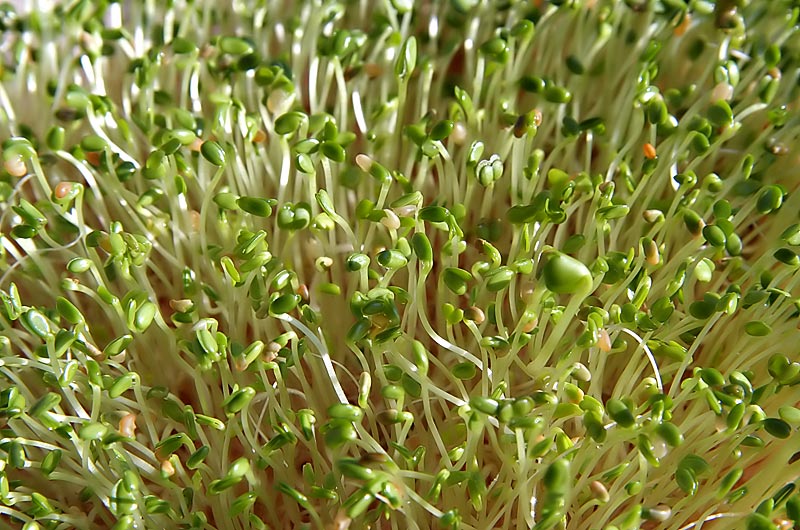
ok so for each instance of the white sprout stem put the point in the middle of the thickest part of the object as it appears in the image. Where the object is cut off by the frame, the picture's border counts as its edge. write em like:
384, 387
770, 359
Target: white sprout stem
649, 354
461, 352
319, 343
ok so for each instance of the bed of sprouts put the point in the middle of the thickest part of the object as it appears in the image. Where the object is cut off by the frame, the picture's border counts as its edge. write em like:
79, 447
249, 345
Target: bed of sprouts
336, 264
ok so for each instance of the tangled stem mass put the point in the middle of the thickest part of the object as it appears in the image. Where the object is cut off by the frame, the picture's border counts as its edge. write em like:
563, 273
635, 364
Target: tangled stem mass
352, 264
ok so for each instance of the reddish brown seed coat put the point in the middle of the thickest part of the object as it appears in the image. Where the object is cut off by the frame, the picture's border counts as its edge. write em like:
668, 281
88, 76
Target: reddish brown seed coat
62, 189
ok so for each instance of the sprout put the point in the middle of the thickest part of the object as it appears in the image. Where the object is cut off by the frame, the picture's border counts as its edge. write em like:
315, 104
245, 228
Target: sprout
439, 264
